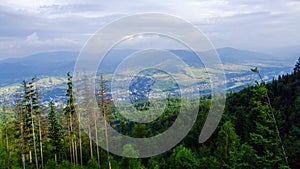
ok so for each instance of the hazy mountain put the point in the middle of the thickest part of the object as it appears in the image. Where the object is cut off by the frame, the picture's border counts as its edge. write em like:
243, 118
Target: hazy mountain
291, 53
235, 56
50, 64
59, 63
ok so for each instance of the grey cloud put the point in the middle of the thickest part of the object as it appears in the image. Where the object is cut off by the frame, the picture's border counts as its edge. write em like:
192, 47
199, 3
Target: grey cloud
238, 23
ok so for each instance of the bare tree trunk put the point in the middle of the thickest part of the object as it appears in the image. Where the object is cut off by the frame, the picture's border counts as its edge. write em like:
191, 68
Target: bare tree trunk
106, 140
41, 143
22, 142
75, 146
273, 119
72, 142
97, 140
71, 157
23, 161
39, 128
34, 143
73, 152
5, 120
7, 148
91, 143
30, 157
19, 111
70, 137
103, 104
80, 141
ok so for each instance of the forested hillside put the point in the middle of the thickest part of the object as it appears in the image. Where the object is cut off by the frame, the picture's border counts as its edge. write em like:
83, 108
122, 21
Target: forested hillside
260, 128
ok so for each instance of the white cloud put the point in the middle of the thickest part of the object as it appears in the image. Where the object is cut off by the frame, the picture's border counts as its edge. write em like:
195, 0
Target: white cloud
58, 25
32, 38
18, 47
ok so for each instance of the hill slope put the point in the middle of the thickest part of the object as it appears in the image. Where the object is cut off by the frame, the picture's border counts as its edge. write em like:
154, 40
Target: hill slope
58, 63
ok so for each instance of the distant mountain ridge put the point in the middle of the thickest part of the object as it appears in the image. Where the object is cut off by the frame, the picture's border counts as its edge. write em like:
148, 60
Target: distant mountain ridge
48, 64
61, 62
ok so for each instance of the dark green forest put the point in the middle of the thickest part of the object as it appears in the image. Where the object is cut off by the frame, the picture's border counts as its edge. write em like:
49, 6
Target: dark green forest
260, 128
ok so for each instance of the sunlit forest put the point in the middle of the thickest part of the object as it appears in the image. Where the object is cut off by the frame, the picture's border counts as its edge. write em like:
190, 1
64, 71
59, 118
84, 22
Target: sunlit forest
260, 128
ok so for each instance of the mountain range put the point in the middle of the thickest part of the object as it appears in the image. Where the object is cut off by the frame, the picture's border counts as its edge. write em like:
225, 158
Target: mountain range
15, 70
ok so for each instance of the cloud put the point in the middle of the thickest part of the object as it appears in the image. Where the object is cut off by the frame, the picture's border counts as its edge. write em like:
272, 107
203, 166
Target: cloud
32, 38
149, 41
59, 25
18, 47
34, 41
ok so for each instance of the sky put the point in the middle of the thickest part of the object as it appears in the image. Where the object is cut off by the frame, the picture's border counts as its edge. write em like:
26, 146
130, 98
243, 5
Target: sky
33, 26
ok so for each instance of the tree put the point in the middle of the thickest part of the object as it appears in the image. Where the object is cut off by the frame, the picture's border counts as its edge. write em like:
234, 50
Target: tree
297, 66
130, 163
263, 138
139, 131
30, 108
54, 129
264, 93
6, 136
246, 156
89, 110
18, 108
38, 112
227, 145
183, 157
92, 164
79, 136
69, 111
104, 103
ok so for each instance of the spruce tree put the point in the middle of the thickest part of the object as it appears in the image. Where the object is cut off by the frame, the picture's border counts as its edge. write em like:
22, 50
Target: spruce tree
29, 107
69, 112
104, 103
263, 138
54, 129
297, 66
227, 146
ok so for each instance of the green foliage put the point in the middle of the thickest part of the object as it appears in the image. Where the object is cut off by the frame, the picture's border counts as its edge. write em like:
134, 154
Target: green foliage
65, 164
183, 157
131, 163
54, 130
28, 122
139, 131
92, 163
51, 164
156, 162
208, 162
297, 66
246, 156
227, 146
128, 149
70, 107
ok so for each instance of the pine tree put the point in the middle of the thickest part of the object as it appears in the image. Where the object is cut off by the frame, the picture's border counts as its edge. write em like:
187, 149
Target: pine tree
130, 163
38, 114
69, 111
6, 135
263, 138
78, 126
227, 145
183, 157
87, 92
297, 66
54, 129
264, 93
30, 109
20, 126
104, 103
